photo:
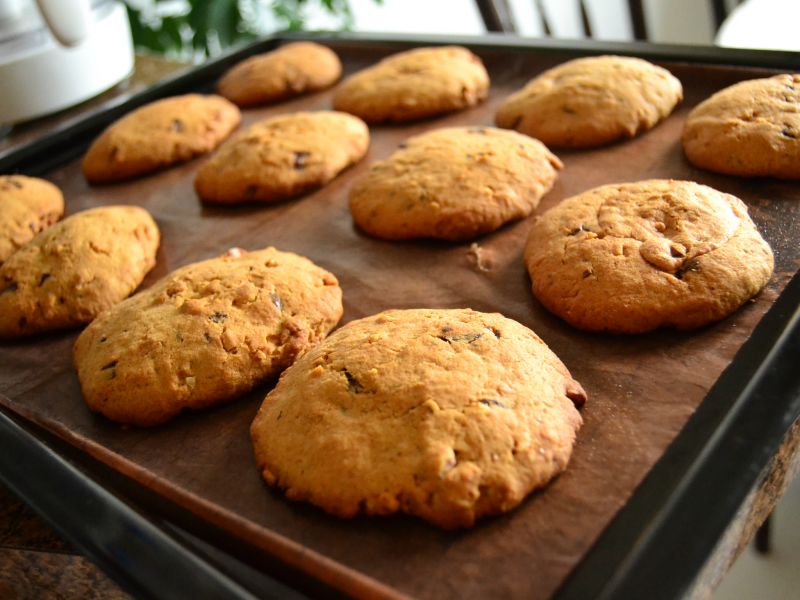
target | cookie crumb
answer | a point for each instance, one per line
(478, 256)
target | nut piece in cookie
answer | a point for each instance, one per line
(633, 257)
(158, 135)
(282, 157)
(205, 334)
(28, 205)
(76, 269)
(592, 101)
(448, 415)
(748, 129)
(454, 184)
(291, 70)
(415, 84)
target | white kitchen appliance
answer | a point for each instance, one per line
(57, 53)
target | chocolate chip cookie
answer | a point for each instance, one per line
(282, 157)
(158, 135)
(291, 70)
(415, 84)
(448, 415)
(76, 269)
(205, 334)
(592, 101)
(453, 184)
(28, 205)
(633, 257)
(749, 129)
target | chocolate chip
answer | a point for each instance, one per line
(300, 159)
(11, 287)
(110, 365)
(103, 339)
(569, 110)
(491, 402)
(789, 133)
(495, 331)
(353, 384)
(43, 278)
(689, 265)
(466, 337)
(207, 336)
(402, 145)
(219, 317)
(587, 273)
(176, 125)
(276, 300)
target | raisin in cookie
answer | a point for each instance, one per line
(159, 134)
(415, 84)
(291, 70)
(750, 129)
(27, 206)
(282, 157)
(449, 415)
(76, 269)
(453, 184)
(633, 257)
(204, 335)
(592, 101)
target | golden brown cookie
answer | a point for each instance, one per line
(592, 101)
(158, 135)
(282, 157)
(415, 84)
(205, 334)
(28, 205)
(633, 257)
(449, 415)
(76, 269)
(454, 184)
(291, 70)
(750, 129)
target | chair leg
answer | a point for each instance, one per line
(764, 536)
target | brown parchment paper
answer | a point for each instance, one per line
(641, 389)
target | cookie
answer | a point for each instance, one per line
(592, 101)
(158, 135)
(28, 205)
(749, 129)
(453, 184)
(415, 84)
(633, 257)
(205, 334)
(282, 157)
(448, 415)
(76, 269)
(291, 70)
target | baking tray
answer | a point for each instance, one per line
(591, 532)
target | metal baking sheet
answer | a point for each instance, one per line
(641, 389)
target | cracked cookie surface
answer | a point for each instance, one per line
(291, 70)
(282, 157)
(448, 415)
(76, 269)
(28, 205)
(415, 84)
(158, 135)
(454, 184)
(749, 129)
(205, 334)
(633, 257)
(592, 101)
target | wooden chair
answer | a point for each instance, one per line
(498, 16)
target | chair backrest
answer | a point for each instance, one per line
(626, 19)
